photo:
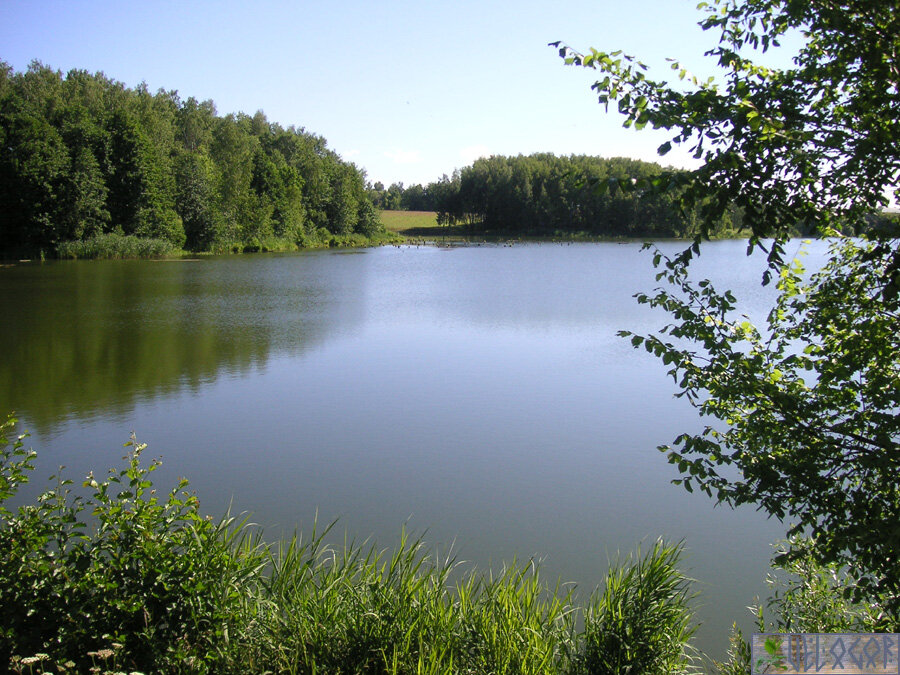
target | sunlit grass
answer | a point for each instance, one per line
(410, 223)
(361, 609)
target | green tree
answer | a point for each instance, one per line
(85, 198)
(141, 199)
(393, 198)
(32, 178)
(195, 202)
(543, 194)
(808, 146)
(232, 151)
(195, 124)
(805, 410)
(83, 155)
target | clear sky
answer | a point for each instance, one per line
(406, 90)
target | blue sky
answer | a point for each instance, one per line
(406, 90)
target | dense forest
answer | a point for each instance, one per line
(544, 194)
(84, 156)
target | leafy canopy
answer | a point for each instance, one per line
(809, 146)
(805, 411)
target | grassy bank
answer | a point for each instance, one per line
(418, 226)
(122, 578)
(399, 226)
(412, 224)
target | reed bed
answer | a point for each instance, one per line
(116, 246)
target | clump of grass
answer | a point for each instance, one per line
(114, 245)
(364, 610)
(641, 621)
(352, 240)
(321, 238)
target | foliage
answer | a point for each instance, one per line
(121, 578)
(809, 597)
(806, 425)
(150, 573)
(642, 620)
(806, 409)
(738, 657)
(114, 245)
(399, 198)
(86, 156)
(809, 146)
(15, 464)
(543, 194)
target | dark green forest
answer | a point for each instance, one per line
(545, 194)
(85, 157)
(92, 168)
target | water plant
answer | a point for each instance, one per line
(640, 620)
(113, 245)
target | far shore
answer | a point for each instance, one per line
(421, 227)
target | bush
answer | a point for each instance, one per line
(642, 621)
(120, 564)
(807, 597)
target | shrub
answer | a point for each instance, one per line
(120, 563)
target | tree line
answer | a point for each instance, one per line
(83, 155)
(545, 194)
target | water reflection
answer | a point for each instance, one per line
(94, 338)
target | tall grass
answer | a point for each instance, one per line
(360, 609)
(641, 620)
(114, 245)
(120, 570)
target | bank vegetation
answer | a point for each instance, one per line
(88, 164)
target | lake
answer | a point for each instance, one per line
(478, 395)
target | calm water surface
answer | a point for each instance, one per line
(478, 395)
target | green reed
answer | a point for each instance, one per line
(114, 245)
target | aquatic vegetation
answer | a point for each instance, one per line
(116, 246)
